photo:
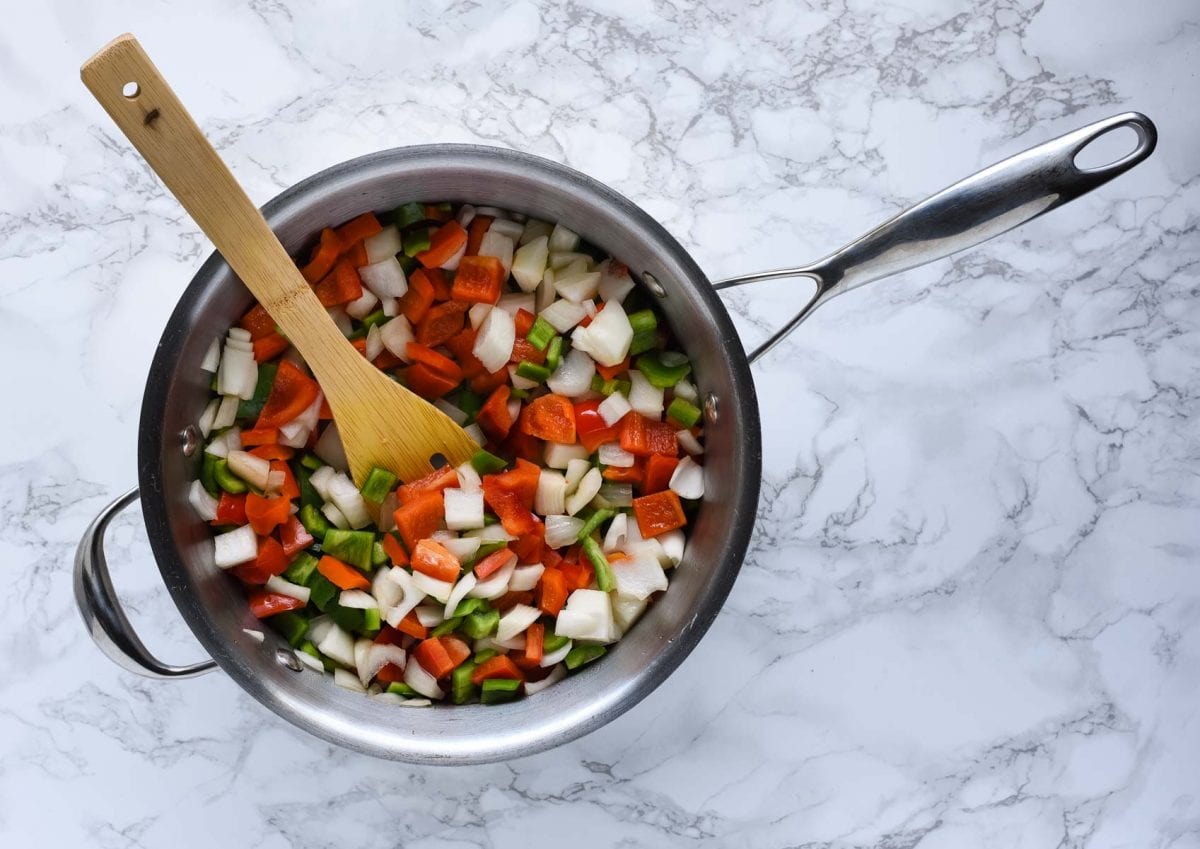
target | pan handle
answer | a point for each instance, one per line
(971, 211)
(102, 612)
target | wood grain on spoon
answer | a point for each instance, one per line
(381, 423)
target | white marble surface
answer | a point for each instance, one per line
(971, 615)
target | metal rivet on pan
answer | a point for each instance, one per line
(288, 659)
(189, 438)
(710, 408)
(653, 285)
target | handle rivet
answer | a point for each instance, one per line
(189, 438)
(710, 407)
(288, 659)
(653, 285)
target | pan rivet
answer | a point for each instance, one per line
(288, 659)
(710, 407)
(189, 438)
(653, 285)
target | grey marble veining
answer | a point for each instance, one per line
(971, 613)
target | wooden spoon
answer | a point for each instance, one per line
(381, 423)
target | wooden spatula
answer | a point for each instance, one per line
(381, 423)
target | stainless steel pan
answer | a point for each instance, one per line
(994, 200)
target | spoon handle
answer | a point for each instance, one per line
(141, 103)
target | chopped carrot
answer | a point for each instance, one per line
(437, 279)
(627, 474)
(389, 673)
(523, 321)
(486, 382)
(291, 394)
(428, 383)
(456, 649)
(444, 243)
(659, 468)
(265, 514)
(479, 225)
(441, 323)
(552, 591)
(434, 659)
(356, 254)
(419, 518)
(493, 416)
(257, 322)
(461, 346)
(440, 363)
(434, 213)
(260, 436)
(500, 666)
(418, 299)
(658, 513)
(479, 279)
(436, 481)
(340, 286)
(491, 564)
(324, 255)
(534, 635)
(550, 417)
(412, 626)
(387, 360)
(342, 575)
(433, 559)
(269, 347)
(609, 372)
(357, 229)
(394, 550)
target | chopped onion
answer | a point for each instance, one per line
(516, 643)
(411, 598)
(491, 533)
(525, 578)
(253, 470)
(308, 660)
(275, 481)
(386, 591)
(557, 656)
(544, 295)
(337, 645)
(507, 227)
(612, 454)
(576, 469)
(562, 239)
(585, 492)
(439, 590)
(387, 511)
(686, 390)
(329, 448)
(374, 342)
(416, 677)
(673, 543)
(535, 229)
(563, 314)
(558, 455)
(335, 516)
(203, 503)
(615, 282)
(494, 341)
(385, 278)
(626, 610)
(562, 530)
(638, 576)
(579, 264)
(347, 679)
(579, 288)
(688, 479)
(581, 626)
(455, 258)
(378, 656)
(390, 307)
(551, 494)
(468, 477)
(466, 214)
(205, 424)
(279, 585)
(474, 431)
(515, 621)
(321, 478)
(689, 443)
(556, 674)
(212, 357)
(463, 548)
(616, 494)
(349, 500)
(477, 313)
(383, 245)
(430, 615)
(529, 263)
(464, 510)
(615, 538)
(296, 432)
(341, 320)
(497, 245)
(613, 408)
(238, 372)
(362, 306)
(561, 259)
(608, 337)
(514, 408)
(239, 334)
(573, 375)
(358, 600)
(226, 412)
(395, 335)
(513, 303)
(465, 584)
(595, 603)
(645, 397)
(497, 584)
(456, 415)
(519, 382)
(318, 628)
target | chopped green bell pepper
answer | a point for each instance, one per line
(664, 368)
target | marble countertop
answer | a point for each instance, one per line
(971, 612)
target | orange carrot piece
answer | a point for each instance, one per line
(535, 634)
(479, 279)
(357, 229)
(260, 436)
(269, 347)
(552, 591)
(440, 363)
(500, 666)
(394, 550)
(433, 559)
(342, 575)
(479, 225)
(658, 513)
(324, 255)
(443, 244)
(412, 626)
(419, 518)
(432, 656)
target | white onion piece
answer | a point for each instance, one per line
(383, 245)
(275, 481)
(374, 342)
(519, 382)
(608, 337)
(576, 469)
(544, 295)
(303, 425)
(535, 229)
(386, 591)
(439, 590)
(579, 288)
(238, 372)
(205, 423)
(591, 603)
(551, 494)
(516, 643)
(496, 585)
(490, 533)
(463, 548)
(686, 390)
(385, 278)
(416, 677)
(308, 660)
(556, 656)
(498, 245)
(347, 497)
(347, 679)
(253, 470)
(456, 415)
(644, 397)
(614, 539)
(673, 543)
(494, 341)
(362, 306)
(378, 656)
(329, 448)
(321, 479)
(562, 239)
(413, 595)
(626, 610)
(335, 516)
(558, 456)
(613, 408)
(615, 282)
(515, 621)
(562, 530)
(689, 443)
(687, 481)
(430, 615)
(585, 492)
(226, 412)
(212, 357)
(513, 303)
(239, 334)
(358, 600)
(387, 512)
(639, 576)
(341, 320)
(474, 431)
(361, 647)
(563, 314)
(337, 645)
(525, 577)
(466, 214)
(318, 628)
(395, 335)
(514, 408)
(573, 375)
(464, 510)
(468, 477)
(507, 227)
(529, 263)
(477, 313)
(579, 625)
(390, 307)
(562, 259)
(203, 503)
(452, 263)
(612, 454)
(282, 586)
(465, 584)
(614, 494)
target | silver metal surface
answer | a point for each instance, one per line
(102, 612)
(971, 211)
(213, 604)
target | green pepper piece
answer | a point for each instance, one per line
(372, 319)
(416, 241)
(350, 619)
(291, 626)
(379, 556)
(554, 353)
(604, 576)
(461, 688)
(499, 690)
(378, 484)
(520, 394)
(553, 642)
(642, 342)
(486, 654)
(579, 655)
(532, 371)
(371, 621)
(311, 462)
(300, 570)
(226, 479)
(314, 521)
(643, 321)
(208, 467)
(353, 547)
(409, 213)
(322, 591)
(664, 368)
(469, 402)
(249, 409)
(487, 463)
(447, 627)
(308, 648)
(480, 624)
(402, 689)
(308, 492)
(541, 333)
(684, 412)
(470, 605)
(593, 522)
